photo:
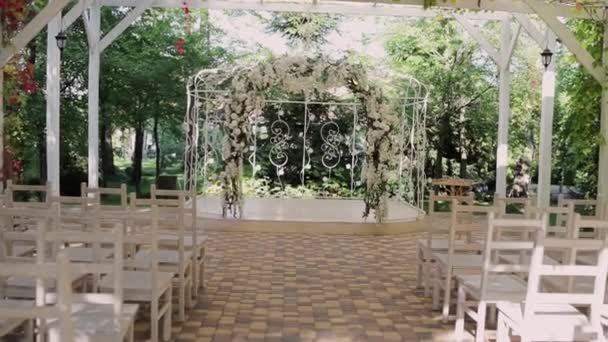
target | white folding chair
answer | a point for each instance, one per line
(196, 241)
(15, 312)
(147, 285)
(24, 287)
(557, 315)
(172, 256)
(96, 316)
(589, 209)
(119, 193)
(42, 193)
(459, 259)
(436, 239)
(497, 281)
(36, 197)
(512, 207)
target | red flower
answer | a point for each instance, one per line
(29, 86)
(179, 46)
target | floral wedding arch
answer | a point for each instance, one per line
(241, 96)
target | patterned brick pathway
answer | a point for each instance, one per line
(298, 287)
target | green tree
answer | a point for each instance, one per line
(577, 128)
(303, 29)
(462, 107)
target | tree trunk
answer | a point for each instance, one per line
(138, 156)
(439, 164)
(159, 156)
(107, 152)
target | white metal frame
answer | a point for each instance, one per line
(203, 122)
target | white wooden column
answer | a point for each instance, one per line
(504, 109)
(546, 127)
(53, 96)
(602, 176)
(94, 32)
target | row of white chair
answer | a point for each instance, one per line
(461, 257)
(172, 249)
(60, 314)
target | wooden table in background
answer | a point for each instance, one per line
(454, 186)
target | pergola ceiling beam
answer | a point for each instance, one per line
(133, 15)
(483, 42)
(531, 29)
(86, 18)
(70, 17)
(31, 29)
(569, 40)
(343, 6)
(512, 46)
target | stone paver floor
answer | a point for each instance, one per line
(299, 287)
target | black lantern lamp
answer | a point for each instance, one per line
(62, 40)
(547, 56)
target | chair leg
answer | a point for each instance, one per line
(502, 330)
(181, 301)
(480, 332)
(189, 294)
(131, 332)
(167, 317)
(492, 314)
(436, 289)
(201, 273)
(426, 274)
(447, 294)
(460, 308)
(154, 320)
(29, 330)
(195, 275)
(419, 267)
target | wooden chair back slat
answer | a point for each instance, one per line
(596, 273)
(494, 244)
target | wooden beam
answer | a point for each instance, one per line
(512, 46)
(504, 111)
(568, 39)
(133, 15)
(531, 29)
(87, 28)
(94, 33)
(602, 176)
(31, 29)
(53, 104)
(546, 127)
(387, 8)
(363, 7)
(483, 42)
(70, 17)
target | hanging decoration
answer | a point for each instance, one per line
(19, 72)
(187, 28)
(245, 98)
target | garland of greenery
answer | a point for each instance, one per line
(307, 76)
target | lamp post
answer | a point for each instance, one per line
(61, 40)
(546, 56)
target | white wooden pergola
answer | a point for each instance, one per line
(514, 16)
